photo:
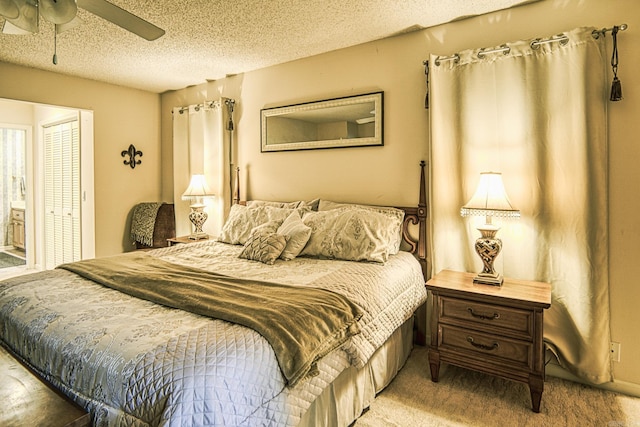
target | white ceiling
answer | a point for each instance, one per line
(209, 39)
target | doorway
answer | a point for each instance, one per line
(39, 120)
(13, 145)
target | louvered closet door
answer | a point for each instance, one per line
(62, 193)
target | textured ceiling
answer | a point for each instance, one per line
(207, 40)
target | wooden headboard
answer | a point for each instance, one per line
(412, 216)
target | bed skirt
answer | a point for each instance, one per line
(354, 389)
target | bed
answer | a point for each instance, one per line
(86, 329)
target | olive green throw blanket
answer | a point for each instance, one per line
(301, 324)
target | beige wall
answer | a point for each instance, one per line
(389, 174)
(121, 117)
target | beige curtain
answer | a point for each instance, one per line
(201, 145)
(539, 117)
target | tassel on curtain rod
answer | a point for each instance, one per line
(596, 33)
(535, 44)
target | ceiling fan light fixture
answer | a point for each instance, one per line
(9, 9)
(58, 11)
(27, 20)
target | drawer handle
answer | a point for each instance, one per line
(483, 316)
(483, 346)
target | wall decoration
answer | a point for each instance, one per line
(132, 153)
(353, 121)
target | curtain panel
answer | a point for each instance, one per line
(539, 117)
(201, 145)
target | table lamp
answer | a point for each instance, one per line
(489, 200)
(197, 191)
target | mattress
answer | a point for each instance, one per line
(135, 363)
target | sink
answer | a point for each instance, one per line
(18, 204)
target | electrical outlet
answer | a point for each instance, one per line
(615, 351)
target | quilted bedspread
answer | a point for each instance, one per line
(133, 362)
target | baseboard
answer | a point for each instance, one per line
(623, 387)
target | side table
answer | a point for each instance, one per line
(183, 240)
(497, 330)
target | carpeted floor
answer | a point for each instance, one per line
(467, 398)
(7, 260)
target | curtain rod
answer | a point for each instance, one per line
(197, 107)
(535, 44)
(596, 33)
(230, 103)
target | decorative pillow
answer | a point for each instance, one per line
(263, 246)
(394, 225)
(348, 233)
(242, 219)
(297, 234)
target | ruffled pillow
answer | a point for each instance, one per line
(263, 246)
(297, 234)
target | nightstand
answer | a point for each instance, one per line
(497, 330)
(182, 240)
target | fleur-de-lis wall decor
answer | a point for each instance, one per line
(132, 153)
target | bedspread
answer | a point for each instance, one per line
(133, 362)
(302, 324)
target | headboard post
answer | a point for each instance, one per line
(236, 190)
(422, 219)
(418, 216)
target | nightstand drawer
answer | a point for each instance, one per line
(495, 317)
(486, 346)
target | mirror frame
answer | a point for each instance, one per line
(376, 140)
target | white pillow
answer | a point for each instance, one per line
(242, 219)
(285, 205)
(395, 219)
(349, 234)
(297, 234)
(299, 204)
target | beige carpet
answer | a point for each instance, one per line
(466, 398)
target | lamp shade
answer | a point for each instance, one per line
(490, 198)
(197, 188)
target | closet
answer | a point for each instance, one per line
(62, 192)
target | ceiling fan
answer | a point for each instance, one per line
(21, 16)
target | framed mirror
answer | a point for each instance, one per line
(353, 121)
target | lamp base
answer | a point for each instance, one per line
(488, 279)
(198, 236)
(488, 247)
(198, 217)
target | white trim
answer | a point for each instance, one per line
(623, 387)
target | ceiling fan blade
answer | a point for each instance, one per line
(122, 18)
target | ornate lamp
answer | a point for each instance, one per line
(197, 191)
(489, 200)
